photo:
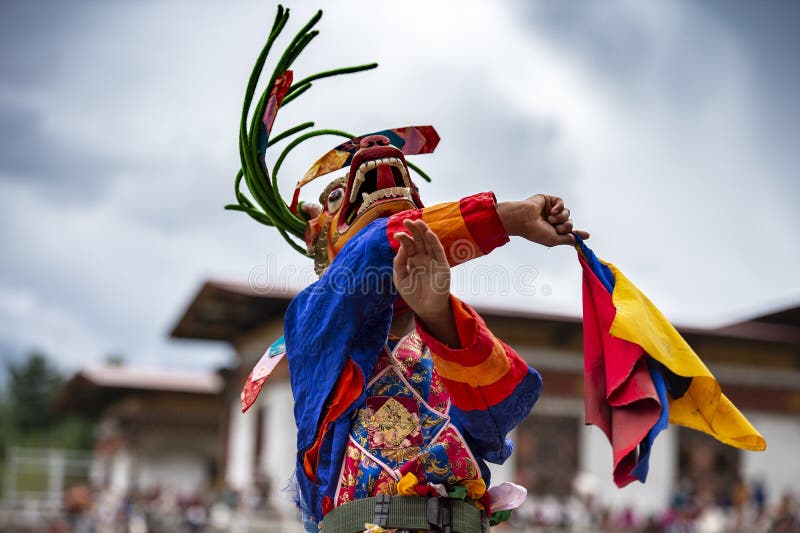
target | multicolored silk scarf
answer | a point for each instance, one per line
(641, 375)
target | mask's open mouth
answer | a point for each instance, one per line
(378, 176)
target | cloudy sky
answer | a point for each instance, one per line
(670, 127)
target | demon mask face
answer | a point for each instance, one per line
(377, 185)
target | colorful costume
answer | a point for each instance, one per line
(467, 399)
(413, 416)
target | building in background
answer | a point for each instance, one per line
(757, 363)
(157, 430)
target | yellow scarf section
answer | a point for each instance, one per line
(703, 407)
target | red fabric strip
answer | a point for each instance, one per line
(469, 398)
(619, 394)
(346, 391)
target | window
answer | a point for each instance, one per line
(546, 450)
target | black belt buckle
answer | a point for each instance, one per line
(440, 514)
(382, 510)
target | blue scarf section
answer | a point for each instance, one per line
(346, 313)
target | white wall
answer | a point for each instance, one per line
(778, 466)
(185, 473)
(654, 495)
(505, 472)
(280, 441)
(121, 469)
(241, 448)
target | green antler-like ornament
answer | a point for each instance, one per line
(264, 203)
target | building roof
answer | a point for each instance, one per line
(123, 377)
(786, 317)
(93, 388)
(226, 311)
(782, 325)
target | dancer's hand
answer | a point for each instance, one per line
(422, 277)
(310, 209)
(542, 218)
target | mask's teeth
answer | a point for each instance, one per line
(390, 192)
(404, 173)
(357, 181)
(395, 162)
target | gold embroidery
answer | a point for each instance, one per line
(401, 454)
(406, 365)
(416, 378)
(391, 424)
(468, 466)
(430, 422)
(353, 453)
(435, 465)
(381, 389)
(387, 486)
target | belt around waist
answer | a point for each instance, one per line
(406, 512)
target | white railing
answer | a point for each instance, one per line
(38, 476)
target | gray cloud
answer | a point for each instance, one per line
(30, 36)
(609, 38)
(29, 154)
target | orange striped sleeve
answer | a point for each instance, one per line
(483, 362)
(468, 228)
(494, 367)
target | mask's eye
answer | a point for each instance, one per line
(335, 198)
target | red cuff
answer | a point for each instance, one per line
(481, 218)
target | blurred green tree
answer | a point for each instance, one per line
(32, 385)
(28, 413)
(7, 429)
